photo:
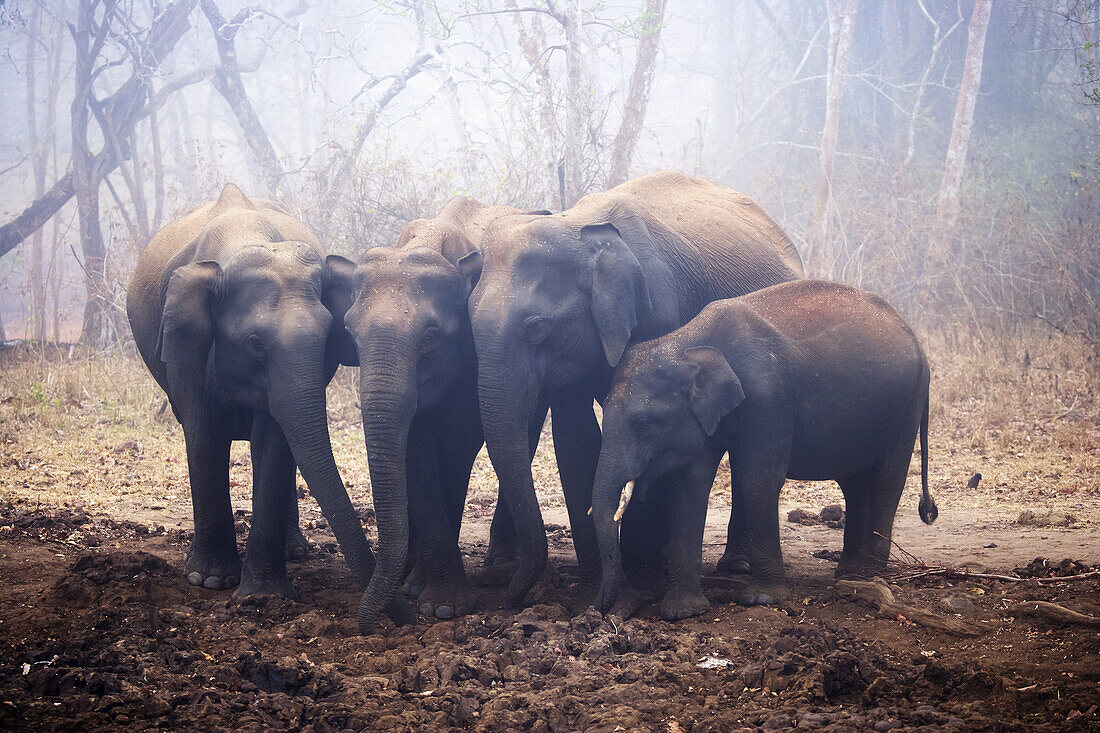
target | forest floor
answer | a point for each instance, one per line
(99, 629)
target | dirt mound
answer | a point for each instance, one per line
(112, 638)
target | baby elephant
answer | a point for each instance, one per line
(807, 380)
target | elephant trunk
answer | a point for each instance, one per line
(388, 395)
(507, 389)
(609, 500)
(304, 421)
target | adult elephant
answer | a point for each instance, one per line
(232, 310)
(557, 300)
(418, 390)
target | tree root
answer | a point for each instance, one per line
(1055, 613)
(878, 595)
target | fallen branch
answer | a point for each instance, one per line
(878, 595)
(1054, 612)
(966, 575)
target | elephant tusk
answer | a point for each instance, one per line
(590, 511)
(628, 492)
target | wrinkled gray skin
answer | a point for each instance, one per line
(807, 380)
(231, 310)
(418, 389)
(557, 300)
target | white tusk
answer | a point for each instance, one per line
(628, 492)
(590, 511)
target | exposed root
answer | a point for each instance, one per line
(1055, 613)
(877, 594)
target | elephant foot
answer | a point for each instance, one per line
(446, 601)
(500, 552)
(629, 600)
(650, 580)
(415, 584)
(258, 584)
(297, 546)
(211, 570)
(758, 593)
(854, 569)
(677, 606)
(496, 575)
(733, 563)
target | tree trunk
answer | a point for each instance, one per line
(575, 95)
(533, 45)
(85, 179)
(841, 25)
(638, 97)
(38, 162)
(947, 211)
(228, 82)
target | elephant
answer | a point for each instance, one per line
(806, 380)
(418, 391)
(558, 298)
(232, 311)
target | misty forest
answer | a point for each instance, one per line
(437, 364)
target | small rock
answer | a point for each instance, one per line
(832, 513)
(973, 482)
(958, 604)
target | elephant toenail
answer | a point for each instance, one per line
(444, 612)
(213, 582)
(764, 599)
(231, 580)
(194, 578)
(427, 609)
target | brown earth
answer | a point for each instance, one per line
(99, 629)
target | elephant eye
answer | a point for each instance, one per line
(536, 329)
(430, 339)
(255, 346)
(643, 424)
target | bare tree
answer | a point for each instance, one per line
(228, 82)
(39, 160)
(638, 97)
(947, 211)
(841, 25)
(125, 108)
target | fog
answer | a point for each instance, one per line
(362, 116)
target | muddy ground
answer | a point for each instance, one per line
(99, 629)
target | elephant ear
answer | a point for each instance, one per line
(187, 323)
(338, 295)
(470, 267)
(715, 389)
(618, 288)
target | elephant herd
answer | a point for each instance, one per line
(677, 305)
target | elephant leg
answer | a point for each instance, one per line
(759, 466)
(212, 560)
(643, 535)
(273, 472)
(735, 560)
(503, 552)
(577, 449)
(297, 546)
(687, 520)
(447, 592)
(871, 500)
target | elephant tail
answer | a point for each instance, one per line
(927, 505)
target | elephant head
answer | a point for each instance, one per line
(261, 328)
(663, 405)
(553, 303)
(410, 323)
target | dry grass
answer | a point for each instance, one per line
(1022, 409)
